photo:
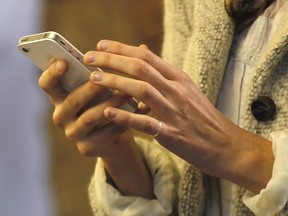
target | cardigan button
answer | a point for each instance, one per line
(263, 108)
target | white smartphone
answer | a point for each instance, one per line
(44, 48)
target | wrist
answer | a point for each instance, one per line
(120, 151)
(250, 161)
(128, 171)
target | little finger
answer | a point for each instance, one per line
(143, 123)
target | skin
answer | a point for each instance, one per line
(192, 127)
(112, 142)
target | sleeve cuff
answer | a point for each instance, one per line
(112, 202)
(274, 197)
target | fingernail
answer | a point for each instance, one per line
(103, 45)
(90, 58)
(97, 76)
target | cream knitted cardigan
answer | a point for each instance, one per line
(198, 35)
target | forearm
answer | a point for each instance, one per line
(250, 162)
(129, 171)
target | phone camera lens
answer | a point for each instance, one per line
(25, 50)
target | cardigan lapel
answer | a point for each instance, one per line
(207, 56)
(209, 46)
(266, 67)
(205, 60)
(271, 57)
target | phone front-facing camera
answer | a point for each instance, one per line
(25, 50)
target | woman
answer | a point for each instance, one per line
(221, 127)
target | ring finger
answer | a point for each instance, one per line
(92, 117)
(140, 90)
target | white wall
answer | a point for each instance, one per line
(24, 149)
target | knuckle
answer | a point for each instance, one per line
(106, 58)
(125, 119)
(87, 121)
(145, 90)
(182, 96)
(183, 76)
(86, 150)
(148, 126)
(140, 67)
(72, 102)
(42, 83)
(51, 76)
(94, 88)
(148, 55)
(57, 119)
(117, 47)
(71, 134)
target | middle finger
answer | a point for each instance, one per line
(81, 98)
(93, 117)
(142, 91)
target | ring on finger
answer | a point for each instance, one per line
(158, 130)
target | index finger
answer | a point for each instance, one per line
(141, 52)
(49, 81)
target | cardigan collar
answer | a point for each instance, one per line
(211, 52)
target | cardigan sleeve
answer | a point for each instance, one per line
(107, 200)
(274, 198)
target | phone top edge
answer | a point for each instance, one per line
(49, 35)
(38, 36)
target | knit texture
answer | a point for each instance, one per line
(198, 35)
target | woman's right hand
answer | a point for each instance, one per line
(81, 122)
(82, 125)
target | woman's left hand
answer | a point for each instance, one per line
(192, 127)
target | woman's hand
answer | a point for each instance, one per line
(192, 127)
(80, 120)
(85, 125)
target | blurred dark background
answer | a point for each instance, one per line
(84, 23)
